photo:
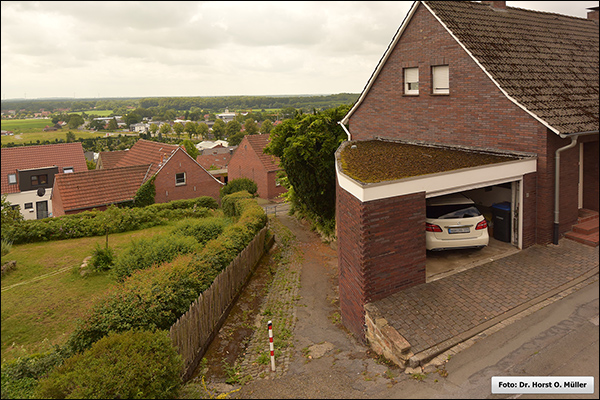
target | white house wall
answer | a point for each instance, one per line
(30, 197)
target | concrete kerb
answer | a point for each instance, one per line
(435, 357)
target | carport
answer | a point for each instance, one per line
(381, 191)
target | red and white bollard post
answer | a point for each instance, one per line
(271, 346)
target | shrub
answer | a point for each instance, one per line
(238, 185)
(202, 230)
(233, 204)
(102, 258)
(130, 365)
(144, 253)
(20, 376)
(6, 246)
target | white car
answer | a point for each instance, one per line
(454, 222)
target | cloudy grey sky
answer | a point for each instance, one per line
(201, 48)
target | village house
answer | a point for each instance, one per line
(249, 161)
(468, 79)
(28, 174)
(177, 176)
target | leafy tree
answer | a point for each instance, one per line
(266, 127)
(112, 124)
(191, 128)
(165, 128)
(202, 130)
(218, 129)
(238, 185)
(232, 128)
(153, 128)
(75, 121)
(70, 137)
(90, 164)
(251, 127)
(133, 118)
(190, 148)
(11, 218)
(305, 146)
(236, 139)
(178, 127)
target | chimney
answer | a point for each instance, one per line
(497, 5)
(593, 14)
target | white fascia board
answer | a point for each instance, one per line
(541, 121)
(440, 183)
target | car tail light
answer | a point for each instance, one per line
(432, 228)
(481, 225)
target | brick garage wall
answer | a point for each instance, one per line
(590, 175)
(198, 181)
(381, 250)
(274, 191)
(529, 209)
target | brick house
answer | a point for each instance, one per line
(177, 176)
(249, 161)
(28, 174)
(469, 78)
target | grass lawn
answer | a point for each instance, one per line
(34, 136)
(25, 125)
(45, 295)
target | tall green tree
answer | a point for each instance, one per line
(232, 128)
(153, 129)
(178, 127)
(266, 126)
(112, 124)
(218, 129)
(70, 137)
(190, 148)
(75, 121)
(165, 128)
(305, 146)
(251, 127)
(202, 130)
(191, 128)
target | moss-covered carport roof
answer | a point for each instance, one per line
(373, 161)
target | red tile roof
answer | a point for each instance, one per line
(145, 152)
(99, 187)
(109, 159)
(30, 157)
(258, 143)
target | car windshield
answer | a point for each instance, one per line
(452, 211)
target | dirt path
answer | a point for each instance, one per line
(321, 360)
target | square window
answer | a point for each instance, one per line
(411, 81)
(180, 179)
(12, 179)
(28, 205)
(441, 79)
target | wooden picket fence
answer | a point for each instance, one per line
(194, 331)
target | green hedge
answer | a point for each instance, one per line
(129, 365)
(156, 297)
(95, 223)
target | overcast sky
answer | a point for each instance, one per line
(149, 49)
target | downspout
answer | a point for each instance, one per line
(573, 143)
(345, 130)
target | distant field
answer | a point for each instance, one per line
(100, 113)
(25, 125)
(40, 136)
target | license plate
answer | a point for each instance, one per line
(458, 230)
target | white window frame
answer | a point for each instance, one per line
(440, 79)
(12, 179)
(411, 81)
(177, 182)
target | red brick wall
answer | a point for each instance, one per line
(529, 209)
(245, 164)
(198, 181)
(381, 250)
(590, 175)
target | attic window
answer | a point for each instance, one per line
(68, 170)
(441, 79)
(37, 180)
(180, 179)
(411, 81)
(12, 179)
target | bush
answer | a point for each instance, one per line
(130, 365)
(102, 258)
(238, 185)
(144, 253)
(202, 230)
(233, 204)
(20, 376)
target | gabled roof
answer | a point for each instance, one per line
(258, 144)
(99, 187)
(109, 159)
(145, 152)
(31, 157)
(545, 63)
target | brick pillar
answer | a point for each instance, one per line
(381, 250)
